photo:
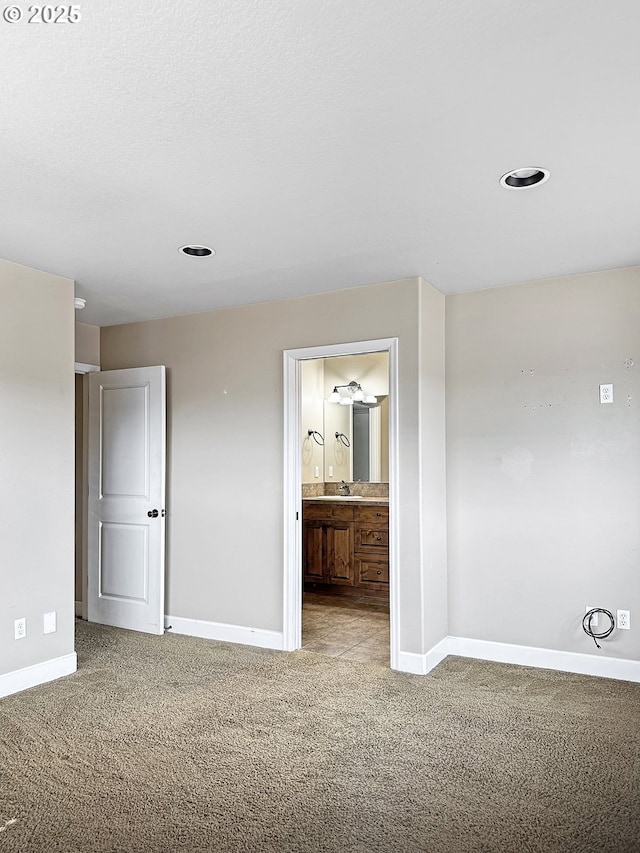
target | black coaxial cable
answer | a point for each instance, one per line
(586, 624)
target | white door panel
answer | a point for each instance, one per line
(125, 442)
(126, 530)
(124, 562)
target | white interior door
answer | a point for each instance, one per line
(126, 524)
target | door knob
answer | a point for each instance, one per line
(153, 513)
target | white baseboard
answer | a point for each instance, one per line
(411, 662)
(225, 633)
(39, 673)
(599, 665)
(422, 664)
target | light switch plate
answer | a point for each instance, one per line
(49, 622)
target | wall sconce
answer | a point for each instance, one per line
(354, 394)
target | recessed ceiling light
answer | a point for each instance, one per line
(520, 179)
(197, 251)
(79, 303)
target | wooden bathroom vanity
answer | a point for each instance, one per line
(346, 546)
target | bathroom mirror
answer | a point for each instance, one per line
(360, 451)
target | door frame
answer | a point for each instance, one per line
(83, 368)
(292, 580)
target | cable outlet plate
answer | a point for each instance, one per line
(624, 620)
(594, 618)
(49, 622)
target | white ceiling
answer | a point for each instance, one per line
(316, 145)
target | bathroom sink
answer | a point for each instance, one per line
(337, 498)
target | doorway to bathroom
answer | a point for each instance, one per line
(341, 566)
(345, 507)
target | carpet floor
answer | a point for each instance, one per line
(170, 743)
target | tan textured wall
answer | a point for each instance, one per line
(225, 442)
(543, 480)
(36, 463)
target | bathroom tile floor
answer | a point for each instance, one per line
(352, 628)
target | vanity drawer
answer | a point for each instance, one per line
(376, 514)
(372, 573)
(372, 537)
(327, 510)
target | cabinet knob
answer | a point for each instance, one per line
(379, 514)
(378, 572)
(379, 538)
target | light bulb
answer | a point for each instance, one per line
(346, 401)
(370, 399)
(334, 397)
(359, 395)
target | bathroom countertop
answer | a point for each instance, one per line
(342, 499)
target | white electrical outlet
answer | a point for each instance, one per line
(49, 622)
(20, 628)
(606, 393)
(624, 620)
(594, 618)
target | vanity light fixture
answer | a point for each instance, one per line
(522, 179)
(354, 394)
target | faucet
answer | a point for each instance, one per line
(344, 489)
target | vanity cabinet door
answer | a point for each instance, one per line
(313, 556)
(340, 562)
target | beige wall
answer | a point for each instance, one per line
(371, 370)
(87, 343)
(225, 443)
(543, 481)
(36, 463)
(337, 457)
(312, 383)
(431, 426)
